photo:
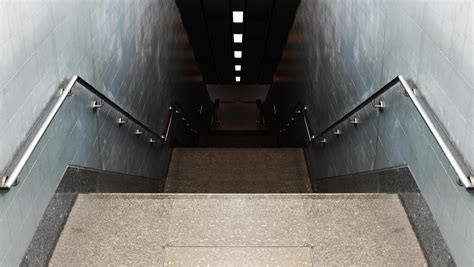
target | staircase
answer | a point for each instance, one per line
(237, 199)
(234, 213)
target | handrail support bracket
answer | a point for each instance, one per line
(380, 105)
(95, 105)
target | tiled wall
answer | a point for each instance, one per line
(130, 50)
(340, 51)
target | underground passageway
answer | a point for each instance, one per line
(236, 133)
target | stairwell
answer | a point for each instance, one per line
(237, 198)
(236, 133)
(238, 207)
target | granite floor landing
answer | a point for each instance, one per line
(238, 230)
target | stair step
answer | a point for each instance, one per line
(238, 170)
(235, 141)
(238, 133)
(86, 180)
(238, 230)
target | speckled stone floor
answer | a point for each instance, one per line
(238, 170)
(238, 230)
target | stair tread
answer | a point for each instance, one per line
(238, 141)
(252, 229)
(238, 170)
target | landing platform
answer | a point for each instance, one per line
(238, 230)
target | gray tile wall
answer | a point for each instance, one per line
(130, 50)
(340, 51)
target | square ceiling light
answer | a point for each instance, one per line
(238, 16)
(238, 67)
(237, 79)
(238, 37)
(238, 54)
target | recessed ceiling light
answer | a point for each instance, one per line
(238, 54)
(238, 16)
(237, 79)
(238, 67)
(238, 37)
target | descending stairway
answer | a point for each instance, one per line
(203, 228)
(234, 213)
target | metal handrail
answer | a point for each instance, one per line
(176, 109)
(291, 118)
(260, 113)
(300, 110)
(165, 136)
(454, 159)
(185, 117)
(10, 180)
(309, 133)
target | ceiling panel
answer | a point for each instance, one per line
(219, 24)
(284, 13)
(195, 24)
(265, 29)
(258, 17)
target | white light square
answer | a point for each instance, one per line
(238, 37)
(238, 16)
(238, 67)
(237, 78)
(238, 54)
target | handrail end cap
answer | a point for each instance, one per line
(3, 183)
(3, 180)
(471, 179)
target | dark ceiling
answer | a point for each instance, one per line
(265, 30)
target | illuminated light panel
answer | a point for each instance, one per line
(238, 54)
(238, 67)
(238, 37)
(237, 79)
(238, 16)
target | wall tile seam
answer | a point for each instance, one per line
(441, 216)
(6, 226)
(31, 92)
(3, 261)
(460, 250)
(4, 256)
(19, 113)
(107, 91)
(448, 59)
(446, 132)
(19, 225)
(424, 95)
(57, 31)
(17, 189)
(29, 59)
(111, 110)
(468, 238)
(7, 7)
(436, 118)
